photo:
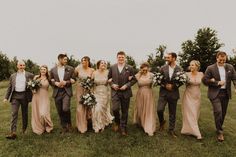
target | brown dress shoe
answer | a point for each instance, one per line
(173, 134)
(63, 131)
(11, 136)
(162, 126)
(220, 137)
(123, 132)
(115, 127)
(69, 128)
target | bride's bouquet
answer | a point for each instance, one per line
(87, 83)
(180, 79)
(34, 85)
(88, 100)
(158, 79)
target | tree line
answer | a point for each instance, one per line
(203, 47)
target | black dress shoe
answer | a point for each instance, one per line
(173, 134)
(11, 136)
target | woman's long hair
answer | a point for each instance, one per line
(47, 73)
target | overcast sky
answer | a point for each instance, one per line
(41, 29)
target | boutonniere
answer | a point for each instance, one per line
(67, 70)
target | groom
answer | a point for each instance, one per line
(122, 78)
(169, 93)
(218, 78)
(62, 77)
(19, 96)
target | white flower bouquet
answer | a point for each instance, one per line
(87, 83)
(180, 79)
(158, 79)
(88, 100)
(34, 85)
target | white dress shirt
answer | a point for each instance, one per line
(20, 82)
(171, 71)
(61, 72)
(222, 75)
(121, 67)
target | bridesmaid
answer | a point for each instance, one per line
(191, 101)
(82, 113)
(41, 119)
(144, 110)
(101, 115)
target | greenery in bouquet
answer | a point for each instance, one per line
(34, 85)
(158, 79)
(87, 83)
(180, 79)
(88, 99)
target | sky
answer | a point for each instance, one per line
(40, 30)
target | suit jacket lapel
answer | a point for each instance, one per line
(14, 80)
(66, 68)
(56, 74)
(226, 72)
(124, 69)
(166, 71)
(217, 72)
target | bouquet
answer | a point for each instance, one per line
(88, 100)
(180, 79)
(87, 83)
(158, 79)
(34, 85)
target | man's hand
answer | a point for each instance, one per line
(169, 87)
(221, 83)
(72, 81)
(235, 91)
(59, 84)
(212, 80)
(115, 86)
(124, 87)
(4, 100)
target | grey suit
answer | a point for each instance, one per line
(18, 99)
(170, 97)
(219, 97)
(121, 99)
(62, 96)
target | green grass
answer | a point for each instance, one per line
(109, 143)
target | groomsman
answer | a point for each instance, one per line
(122, 78)
(62, 77)
(19, 95)
(218, 78)
(169, 93)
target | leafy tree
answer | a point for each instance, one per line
(4, 66)
(72, 61)
(32, 67)
(13, 65)
(232, 60)
(157, 60)
(203, 48)
(130, 61)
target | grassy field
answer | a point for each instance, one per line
(109, 143)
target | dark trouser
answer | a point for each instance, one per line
(119, 101)
(220, 104)
(172, 104)
(62, 101)
(19, 99)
